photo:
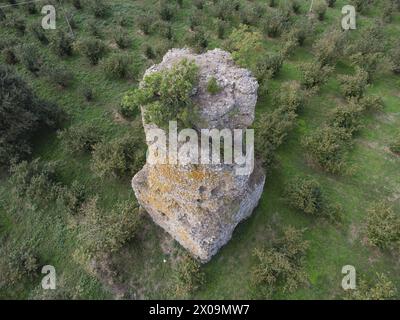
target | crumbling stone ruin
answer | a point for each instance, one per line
(201, 204)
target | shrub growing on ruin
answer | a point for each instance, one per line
(281, 265)
(212, 86)
(80, 138)
(383, 226)
(166, 95)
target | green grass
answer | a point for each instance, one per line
(141, 269)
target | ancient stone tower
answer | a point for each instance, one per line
(200, 205)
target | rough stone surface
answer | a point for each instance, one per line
(200, 205)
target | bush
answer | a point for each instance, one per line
(39, 33)
(101, 233)
(383, 226)
(269, 66)
(329, 47)
(166, 10)
(99, 8)
(368, 62)
(31, 58)
(22, 115)
(121, 157)
(199, 4)
(149, 52)
(290, 97)
(197, 39)
(281, 265)
(328, 146)
(382, 289)
(276, 22)
(354, 86)
(370, 103)
(34, 181)
(188, 277)
(62, 44)
(17, 23)
(10, 56)
(61, 76)
(31, 8)
(222, 26)
(361, 5)
(122, 39)
(246, 47)
(305, 194)
(117, 66)
(330, 3)
(271, 129)
(320, 8)
(80, 138)
(225, 9)
(93, 49)
(314, 74)
(77, 4)
(394, 55)
(300, 31)
(73, 197)
(145, 22)
(212, 86)
(18, 263)
(88, 93)
(347, 117)
(395, 146)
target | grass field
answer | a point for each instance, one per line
(141, 271)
